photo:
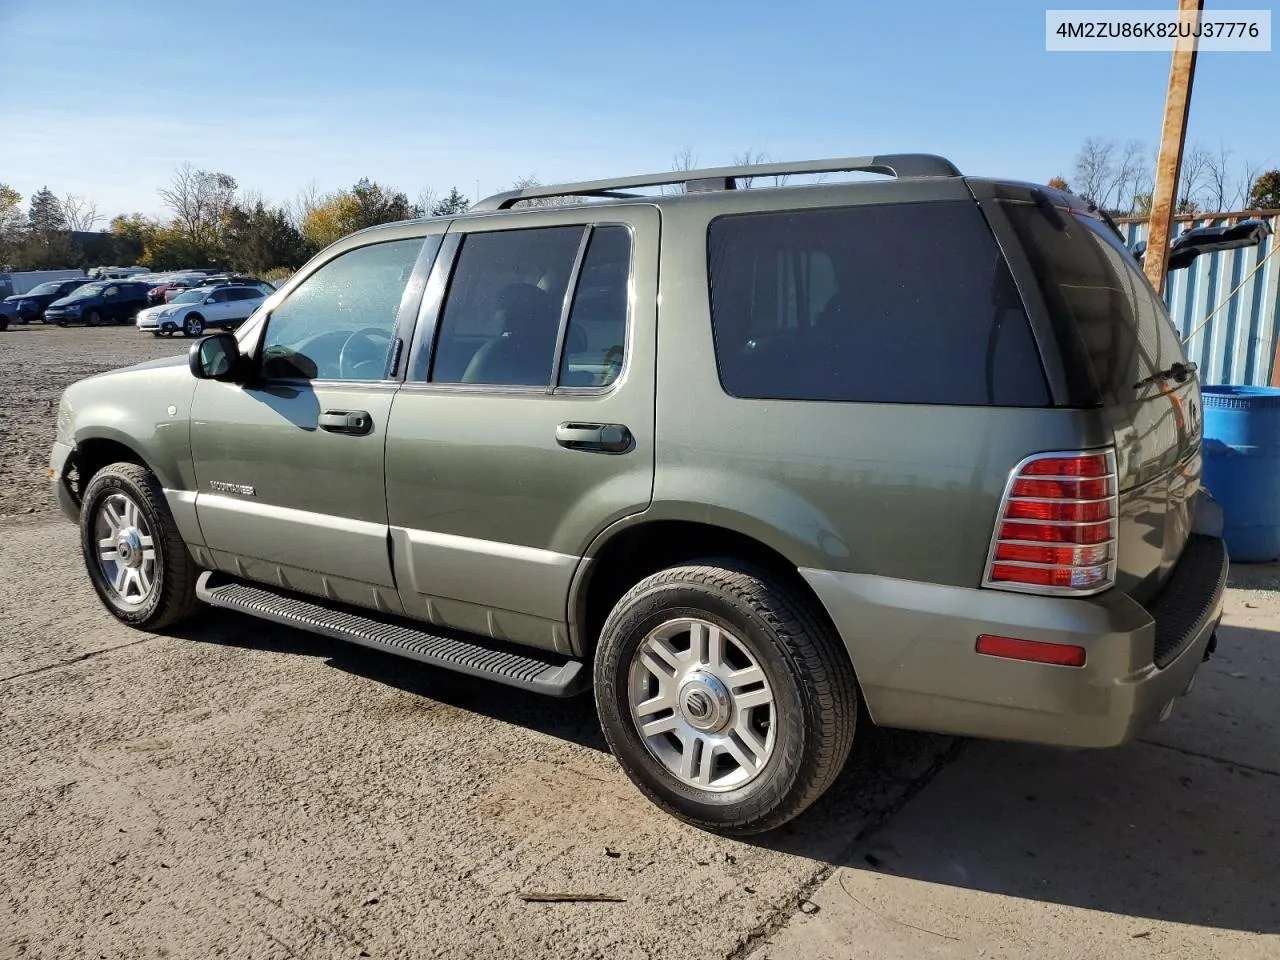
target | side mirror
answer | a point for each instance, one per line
(215, 357)
(210, 299)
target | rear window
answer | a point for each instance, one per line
(1089, 280)
(903, 303)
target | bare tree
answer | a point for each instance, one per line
(81, 214)
(529, 182)
(680, 162)
(1217, 176)
(1132, 176)
(1095, 171)
(200, 200)
(1192, 183)
(427, 198)
(1249, 172)
(748, 158)
(307, 200)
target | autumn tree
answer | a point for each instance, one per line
(1058, 184)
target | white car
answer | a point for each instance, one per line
(201, 309)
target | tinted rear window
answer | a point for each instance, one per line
(904, 303)
(1089, 280)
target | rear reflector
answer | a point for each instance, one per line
(1055, 533)
(1036, 651)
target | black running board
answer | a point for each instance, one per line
(529, 669)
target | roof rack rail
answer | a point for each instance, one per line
(900, 165)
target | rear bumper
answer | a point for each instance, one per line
(913, 647)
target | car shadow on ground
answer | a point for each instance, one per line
(572, 719)
(1180, 825)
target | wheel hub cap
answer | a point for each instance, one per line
(129, 547)
(126, 549)
(705, 702)
(702, 704)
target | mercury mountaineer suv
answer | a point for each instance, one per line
(750, 463)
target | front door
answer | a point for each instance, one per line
(289, 466)
(525, 425)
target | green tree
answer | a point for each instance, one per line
(260, 238)
(455, 202)
(46, 245)
(375, 204)
(1265, 194)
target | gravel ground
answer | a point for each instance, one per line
(37, 362)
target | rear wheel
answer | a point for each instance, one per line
(724, 696)
(193, 326)
(136, 559)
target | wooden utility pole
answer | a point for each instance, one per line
(1172, 138)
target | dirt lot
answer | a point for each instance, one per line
(37, 362)
(244, 790)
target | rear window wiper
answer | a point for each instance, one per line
(1179, 372)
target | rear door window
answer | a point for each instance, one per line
(1089, 280)
(902, 303)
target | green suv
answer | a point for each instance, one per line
(750, 463)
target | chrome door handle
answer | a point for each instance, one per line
(604, 437)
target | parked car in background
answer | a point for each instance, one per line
(181, 284)
(99, 302)
(240, 281)
(204, 308)
(29, 307)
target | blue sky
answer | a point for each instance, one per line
(104, 98)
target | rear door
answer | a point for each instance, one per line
(525, 425)
(1095, 289)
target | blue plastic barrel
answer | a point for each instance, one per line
(1242, 467)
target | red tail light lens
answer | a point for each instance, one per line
(1037, 651)
(1056, 529)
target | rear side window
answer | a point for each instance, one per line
(1089, 280)
(501, 318)
(904, 303)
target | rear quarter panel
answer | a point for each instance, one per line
(898, 490)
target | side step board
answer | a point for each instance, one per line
(526, 668)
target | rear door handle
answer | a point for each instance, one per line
(346, 421)
(606, 437)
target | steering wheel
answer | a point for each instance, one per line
(362, 341)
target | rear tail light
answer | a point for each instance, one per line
(1056, 530)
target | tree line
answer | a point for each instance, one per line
(211, 221)
(1120, 178)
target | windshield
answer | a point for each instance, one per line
(43, 288)
(88, 290)
(191, 296)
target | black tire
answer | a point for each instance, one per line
(173, 596)
(156, 333)
(4, 322)
(93, 318)
(62, 323)
(815, 692)
(193, 326)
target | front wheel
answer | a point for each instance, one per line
(136, 558)
(193, 326)
(94, 318)
(727, 699)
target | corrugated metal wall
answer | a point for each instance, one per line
(1239, 344)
